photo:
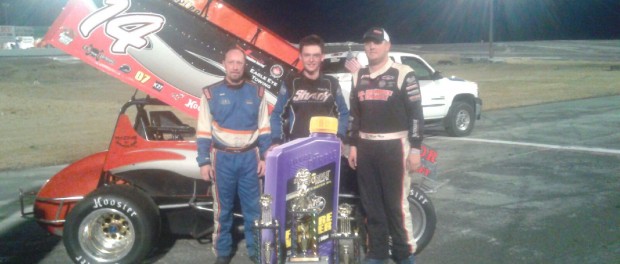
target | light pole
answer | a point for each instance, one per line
(491, 29)
(5, 12)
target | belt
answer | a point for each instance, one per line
(384, 136)
(235, 150)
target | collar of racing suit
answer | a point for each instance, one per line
(383, 69)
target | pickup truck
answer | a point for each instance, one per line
(449, 99)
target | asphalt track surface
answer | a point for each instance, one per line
(537, 184)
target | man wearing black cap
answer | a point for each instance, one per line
(386, 136)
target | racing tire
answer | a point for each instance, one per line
(460, 119)
(113, 224)
(423, 217)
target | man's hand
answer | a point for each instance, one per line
(261, 168)
(352, 65)
(353, 157)
(414, 161)
(207, 172)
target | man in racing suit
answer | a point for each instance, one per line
(307, 94)
(232, 137)
(386, 135)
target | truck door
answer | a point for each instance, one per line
(433, 99)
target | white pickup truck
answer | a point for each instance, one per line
(451, 100)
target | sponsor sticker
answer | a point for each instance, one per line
(276, 71)
(191, 104)
(66, 36)
(158, 86)
(126, 141)
(97, 54)
(177, 96)
(125, 68)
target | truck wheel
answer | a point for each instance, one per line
(423, 217)
(460, 119)
(114, 224)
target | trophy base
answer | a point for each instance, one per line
(307, 259)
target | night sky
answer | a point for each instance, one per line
(407, 21)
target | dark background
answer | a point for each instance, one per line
(408, 21)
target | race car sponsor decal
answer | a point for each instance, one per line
(177, 96)
(276, 71)
(192, 104)
(66, 36)
(97, 54)
(125, 68)
(126, 141)
(158, 86)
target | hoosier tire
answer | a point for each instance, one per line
(114, 224)
(423, 217)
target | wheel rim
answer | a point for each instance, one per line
(462, 120)
(418, 218)
(106, 235)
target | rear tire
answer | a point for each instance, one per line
(423, 217)
(460, 119)
(113, 224)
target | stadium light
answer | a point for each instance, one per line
(491, 7)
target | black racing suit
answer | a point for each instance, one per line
(299, 99)
(387, 121)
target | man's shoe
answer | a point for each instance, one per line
(222, 260)
(409, 260)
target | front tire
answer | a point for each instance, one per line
(114, 224)
(460, 119)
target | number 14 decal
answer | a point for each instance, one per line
(127, 29)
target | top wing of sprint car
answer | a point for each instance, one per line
(170, 49)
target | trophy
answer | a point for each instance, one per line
(346, 240)
(304, 229)
(266, 232)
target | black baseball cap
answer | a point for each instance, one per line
(376, 34)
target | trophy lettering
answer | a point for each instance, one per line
(304, 229)
(267, 244)
(346, 240)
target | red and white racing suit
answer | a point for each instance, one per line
(387, 121)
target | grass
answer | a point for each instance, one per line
(55, 113)
(520, 83)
